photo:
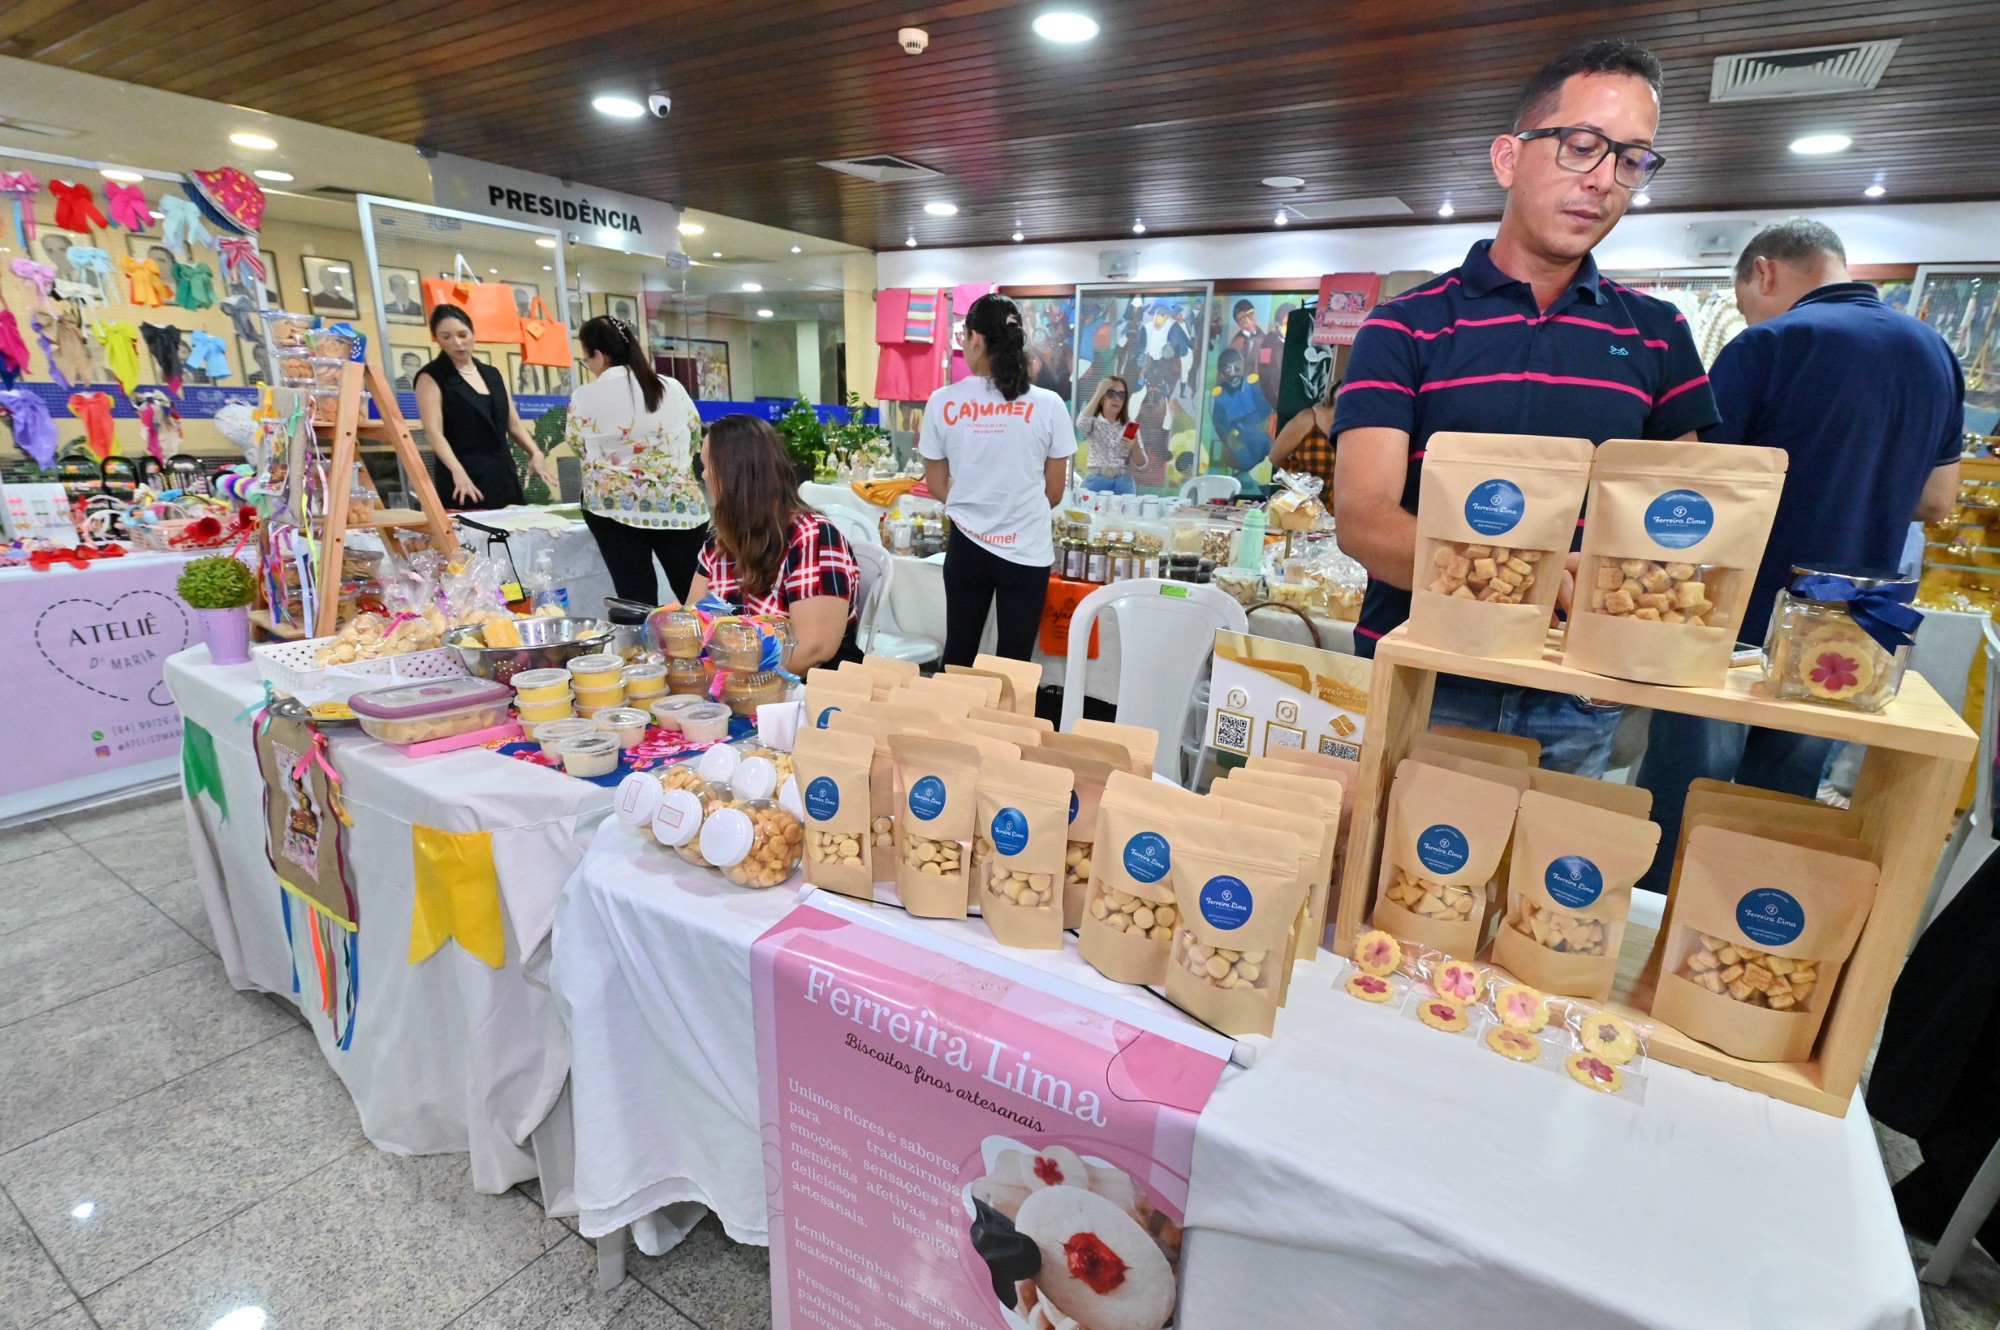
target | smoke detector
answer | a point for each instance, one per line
(914, 41)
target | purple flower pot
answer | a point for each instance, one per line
(228, 635)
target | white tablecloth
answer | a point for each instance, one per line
(448, 1054)
(579, 567)
(1366, 1171)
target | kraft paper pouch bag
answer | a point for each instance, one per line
(834, 770)
(1569, 892)
(934, 690)
(1087, 777)
(995, 716)
(1500, 755)
(1021, 736)
(1025, 675)
(902, 670)
(1521, 743)
(1447, 832)
(881, 787)
(1675, 534)
(1293, 800)
(828, 691)
(1243, 806)
(1334, 794)
(1631, 800)
(1496, 514)
(937, 797)
(1128, 921)
(1235, 899)
(1101, 749)
(1140, 741)
(881, 682)
(1760, 932)
(997, 688)
(1023, 828)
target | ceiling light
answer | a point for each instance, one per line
(941, 209)
(494, 271)
(1641, 199)
(243, 1318)
(716, 255)
(692, 228)
(752, 286)
(1875, 191)
(1019, 236)
(131, 177)
(911, 243)
(763, 313)
(82, 1210)
(275, 177)
(1281, 219)
(1063, 26)
(618, 108)
(797, 250)
(258, 141)
(1819, 145)
(548, 267)
(1138, 227)
(544, 242)
(1284, 182)
(1446, 209)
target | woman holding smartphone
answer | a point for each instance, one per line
(1112, 438)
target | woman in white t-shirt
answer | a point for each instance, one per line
(996, 452)
(636, 434)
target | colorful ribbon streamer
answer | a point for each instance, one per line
(182, 226)
(23, 186)
(34, 429)
(201, 773)
(76, 207)
(240, 259)
(92, 267)
(127, 206)
(42, 276)
(457, 895)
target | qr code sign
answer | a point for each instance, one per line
(1232, 733)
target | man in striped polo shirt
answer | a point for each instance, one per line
(1525, 337)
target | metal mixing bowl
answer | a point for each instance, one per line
(546, 643)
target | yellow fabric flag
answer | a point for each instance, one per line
(457, 896)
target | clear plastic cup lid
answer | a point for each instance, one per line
(596, 663)
(643, 670)
(555, 731)
(618, 718)
(678, 702)
(755, 777)
(718, 764)
(727, 837)
(539, 678)
(638, 798)
(428, 697)
(678, 818)
(589, 744)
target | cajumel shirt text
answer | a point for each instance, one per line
(998, 451)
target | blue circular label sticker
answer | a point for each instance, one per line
(927, 798)
(1573, 880)
(1679, 518)
(1074, 804)
(1148, 857)
(822, 798)
(824, 713)
(1494, 507)
(1443, 848)
(1770, 917)
(1010, 831)
(1225, 902)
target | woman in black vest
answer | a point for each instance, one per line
(468, 418)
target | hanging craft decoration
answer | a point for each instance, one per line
(69, 358)
(94, 410)
(127, 206)
(201, 773)
(22, 187)
(194, 285)
(121, 352)
(457, 895)
(229, 198)
(41, 276)
(209, 356)
(240, 260)
(76, 207)
(92, 267)
(34, 430)
(181, 228)
(164, 341)
(160, 423)
(147, 282)
(13, 351)
(304, 818)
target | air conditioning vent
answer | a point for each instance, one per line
(1337, 210)
(35, 127)
(1812, 71)
(882, 169)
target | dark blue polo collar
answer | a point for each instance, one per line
(1480, 276)
(1839, 293)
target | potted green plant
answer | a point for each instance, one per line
(854, 442)
(220, 589)
(805, 438)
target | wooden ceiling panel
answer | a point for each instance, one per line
(1172, 114)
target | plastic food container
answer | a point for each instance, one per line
(549, 734)
(613, 696)
(432, 709)
(780, 761)
(1814, 651)
(686, 801)
(599, 670)
(744, 692)
(645, 680)
(689, 676)
(755, 843)
(628, 723)
(667, 710)
(592, 713)
(589, 754)
(737, 645)
(706, 723)
(534, 713)
(541, 686)
(680, 634)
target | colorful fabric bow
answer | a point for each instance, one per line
(240, 259)
(92, 265)
(76, 207)
(1883, 612)
(94, 410)
(182, 226)
(23, 186)
(128, 206)
(42, 276)
(34, 430)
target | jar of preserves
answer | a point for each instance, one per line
(1097, 565)
(743, 691)
(1815, 651)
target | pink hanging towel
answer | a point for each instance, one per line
(907, 373)
(962, 297)
(921, 325)
(892, 312)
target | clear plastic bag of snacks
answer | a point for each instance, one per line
(1296, 505)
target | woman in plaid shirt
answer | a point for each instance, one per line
(769, 553)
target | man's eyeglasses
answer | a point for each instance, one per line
(1580, 150)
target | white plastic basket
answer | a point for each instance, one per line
(288, 666)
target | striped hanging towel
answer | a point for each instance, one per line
(921, 322)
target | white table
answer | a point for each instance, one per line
(1366, 1171)
(579, 567)
(448, 1054)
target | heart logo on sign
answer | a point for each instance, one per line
(115, 650)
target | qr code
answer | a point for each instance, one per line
(1333, 747)
(1232, 732)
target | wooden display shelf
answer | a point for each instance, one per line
(261, 620)
(1918, 753)
(393, 517)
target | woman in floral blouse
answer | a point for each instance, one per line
(637, 434)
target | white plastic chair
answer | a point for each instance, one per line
(1166, 634)
(878, 569)
(857, 528)
(1203, 489)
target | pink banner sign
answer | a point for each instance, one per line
(953, 1139)
(82, 659)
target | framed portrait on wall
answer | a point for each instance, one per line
(525, 294)
(405, 361)
(523, 379)
(622, 307)
(52, 247)
(1155, 338)
(403, 296)
(329, 286)
(711, 360)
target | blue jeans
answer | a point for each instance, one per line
(1681, 748)
(1575, 734)
(1121, 483)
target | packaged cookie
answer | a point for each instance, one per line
(1759, 933)
(1447, 832)
(1236, 898)
(1087, 778)
(937, 796)
(881, 787)
(1023, 826)
(1332, 787)
(1024, 679)
(834, 769)
(1631, 800)
(1129, 914)
(827, 691)
(1320, 808)
(994, 688)
(1471, 743)
(881, 680)
(1282, 810)
(1530, 749)
(1018, 735)
(901, 671)
(1138, 740)
(1495, 518)
(1675, 534)
(1000, 716)
(956, 696)
(1569, 891)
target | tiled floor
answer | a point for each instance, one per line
(173, 1151)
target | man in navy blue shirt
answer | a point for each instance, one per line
(1526, 337)
(1870, 405)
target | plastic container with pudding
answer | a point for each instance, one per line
(550, 733)
(737, 644)
(534, 713)
(614, 696)
(592, 713)
(432, 709)
(628, 723)
(541, 686)
(689, 676)
(589, 754)
(645, 680)
(707, 723)
(745, 691)
(667, 710)
(680, 634)
(596, 671)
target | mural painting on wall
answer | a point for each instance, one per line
(1245, 366)
(1156, 339)
(1050, 324)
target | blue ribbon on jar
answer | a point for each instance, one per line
(1883, 611)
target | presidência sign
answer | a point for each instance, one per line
(591, 216)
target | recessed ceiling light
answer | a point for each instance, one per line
(1064, 26)
(692, 228)
(1875, 191)
(1138, 227)
(548, 267)
(1819, 145)
(132, 177)
(1641, 199)
(911, 243)
(275, 177)
(797, 250)
(260, 142)
(243, 1318)
(545, 242)
(618, 108)
(1019, 236)
(763, 313)
(1284, 182)
(82, 1210)
(1446, 209)
(1281, 219)
(494, 271)
(941, 209)
(752, 286)
(716, 255)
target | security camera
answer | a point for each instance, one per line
(659, 104)
(914, 41)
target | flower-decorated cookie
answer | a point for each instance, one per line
(1513, 1044)
(1520, 1007)
(1836, 662)
(1098, 1266)
(1595, 1072)
(1377, 953)
(1443, 1013)
(1370, 987)
(1458, 979)
(1609, 1037)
